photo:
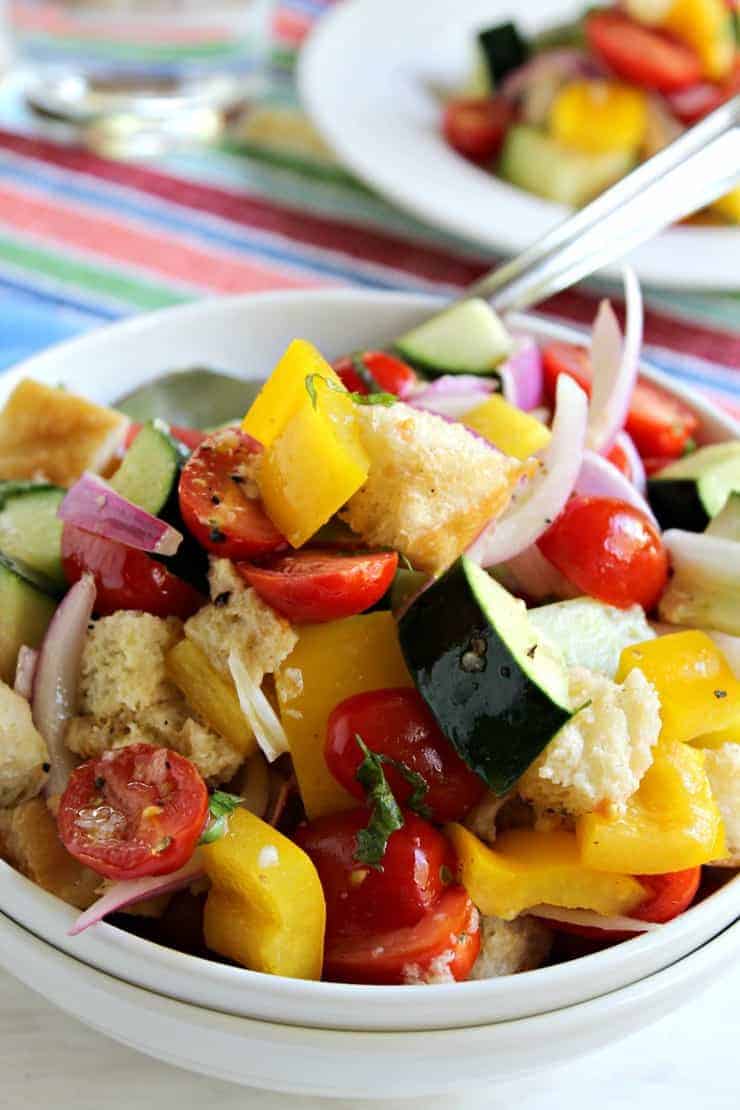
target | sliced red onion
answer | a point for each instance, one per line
(129, 891)
(524, 368)
(452, 395)
(544, 497)
(262, 719)
(25, 669)
(562, 64)
(56, 679)
(615, 366)
(600, 478)
(94, 506)
(277, 808)
(536, 578)
(593, 920)
(638, 476)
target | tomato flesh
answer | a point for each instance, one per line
(312, 586)
(618, 457)
(126, 578)
(610, 550)
(360, 899)
(376, 368)
(660, 425)
(133, 812)
(641, 54)
(444, 944)
(398, 724)
(219, 501)
(476, 128)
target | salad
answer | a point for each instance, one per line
(423, 667)
(568, 113)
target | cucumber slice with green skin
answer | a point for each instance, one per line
(591, 634)
(406, 583)
(25, 612)
(534, 161)
(151, 467)
(498, 691)
(689, 492)
(726, 524)
(468, 338)
(478, 86)
(13, 487)
(31, 532)
(504, 50)
(704, 591)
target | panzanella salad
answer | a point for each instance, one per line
(567, 113)
(423, 669)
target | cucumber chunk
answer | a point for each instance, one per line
(726, 524)
(591, 634)
(704, 591)
(25, 612)
(498, 691)
(31, 532)
(504, 50)
(468, 338)
(150, 469)
(689, 492)
(538, 163)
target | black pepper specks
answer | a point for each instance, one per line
(504, 670)
(215, 499)
(216, 535)
(222, 599)
(720, 693)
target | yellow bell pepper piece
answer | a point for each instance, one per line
(210, 694)
(285, 391)
(599, 117)
(698, 691)
(331, 662)
(706, 26)
(514, 432)
(528, 868)
(266, 908)
(728, 206)
(670, 824)
(718, 739)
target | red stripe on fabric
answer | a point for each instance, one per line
(291, 27)
(430, 263)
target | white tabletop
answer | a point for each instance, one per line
(686, 1062)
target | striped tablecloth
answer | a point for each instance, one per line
(85, 239)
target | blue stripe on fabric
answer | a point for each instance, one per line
(30, 322)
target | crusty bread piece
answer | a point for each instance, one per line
(432, 485)
(246, 624)
(123, 663)
(29, 842)
(23, 753)
(49, 433)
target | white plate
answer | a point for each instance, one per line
(246, 335)
(365, 76)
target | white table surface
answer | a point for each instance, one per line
(688, 1061)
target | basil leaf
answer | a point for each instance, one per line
(384, 399)
(419, 786)
(220, 806)
(385, 816)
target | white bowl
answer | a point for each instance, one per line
(246, 335)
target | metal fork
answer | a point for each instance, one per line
(696, 168)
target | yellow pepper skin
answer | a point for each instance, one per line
(331, 662)
(285, 391)
(599, 117)
(210, 694)
(706, 26)
(728, 206)
(514, 432)
(265, 909)
(527, 868)
(670, 824)
(697, 689)
(718, 739)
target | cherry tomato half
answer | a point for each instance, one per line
(610, 550)
(660, 425)
(133, 812)
(641, 54)
(388, 373)
(360, 899)
(398, 724)
(693, 104)
(219, 501)
(312, 586)
(477, 128)
(126, 578)
(445, 940)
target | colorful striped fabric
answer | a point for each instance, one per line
(85, 239)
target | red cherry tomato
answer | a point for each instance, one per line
(658, 423)
(126, 578)
(387, 372)
(190, 437)
(477, 128)
(618, 456)
(693, 104)
(219, 502)
(446, 941)
(398, 724)
(608, 549)
(641, 54)
(654, 464)
(360, 899)
(133, 812)
(312, 586)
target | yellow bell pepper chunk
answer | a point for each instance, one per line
(331, 662)
(728, 206)
(718, 739)
(266, 908)
(211, 695)
(514, 432)
(670, 824)
(599, 117)
(285, 391)
(698, 691)
(527, 868)
(706, 26)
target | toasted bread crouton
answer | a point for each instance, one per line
(723, 770)
(246, 624)
(123, 663)
(432, 485)
(23, 753)
(49, 433)
(29, 842)
(508, 947)
(224, 579)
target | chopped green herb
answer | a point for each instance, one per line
(385, 816)
(385, 399)
(689, 447)
(364, 374)
(220, 806)
(419, 785)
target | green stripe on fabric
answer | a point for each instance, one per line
(137, 292)
(719, 309)
(136, 51)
